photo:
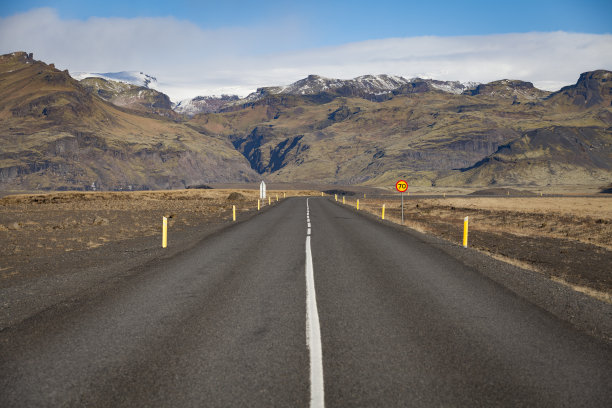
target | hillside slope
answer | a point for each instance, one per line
(418, 131)
(57, 135)
(547, 156)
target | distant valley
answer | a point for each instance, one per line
(100, 133)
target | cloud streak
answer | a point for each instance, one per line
(190, 61)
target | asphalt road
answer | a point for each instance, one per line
(224, 324)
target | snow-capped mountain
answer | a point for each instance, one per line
(129, 95)
(370, 86)
(128, 77)
(454, 87)
(315, 84)
(203, 104)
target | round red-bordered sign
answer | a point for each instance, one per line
(401, 186)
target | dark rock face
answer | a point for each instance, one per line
(511, 89)
(55, 107)
(250, 145)
(275, 158)
(593, 88)
(342, 113)
(588, 147)
(161, 101)
(412, 88)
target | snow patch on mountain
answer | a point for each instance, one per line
(454, 87)
(314, 84)
(366, 84)
(128, 77)
(203, 104)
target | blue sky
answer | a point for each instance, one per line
(338, 22)
(235, 46)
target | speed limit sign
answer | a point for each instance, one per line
(401, 186)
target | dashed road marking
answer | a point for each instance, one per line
(313, 331)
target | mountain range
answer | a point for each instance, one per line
(62, 133)
(59, 134)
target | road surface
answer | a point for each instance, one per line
(400, 323)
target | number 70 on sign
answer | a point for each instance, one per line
(401, 186)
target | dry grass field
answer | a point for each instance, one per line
(43, 232)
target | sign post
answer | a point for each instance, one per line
(402, 187)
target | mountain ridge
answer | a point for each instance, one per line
(56, 134)
(130, 96)
(431, 135)
(137, 78)
(61, 133)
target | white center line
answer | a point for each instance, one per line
(313, 333)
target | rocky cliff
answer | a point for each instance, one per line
(130, 96)
(320, 129)
(56, 134)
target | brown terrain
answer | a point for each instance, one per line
(50, 234)
(568, 239)
(59, 134)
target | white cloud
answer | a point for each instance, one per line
(190, 61)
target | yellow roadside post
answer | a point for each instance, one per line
(258, 205)
(465, 232)
(234, 212)
(164, 232)
(342, 199)
(277, 198)
(321, 194)
(284, 194)
(364, 195)
(357, 203)
(336, 197)
(269, 200)
(383, 212)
